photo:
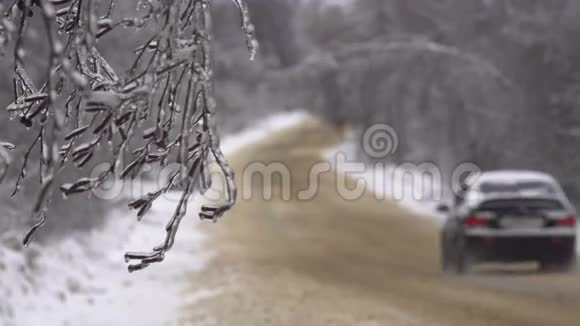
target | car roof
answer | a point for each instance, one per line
(513, 176)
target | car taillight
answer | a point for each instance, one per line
(569, 221)
(474, 220)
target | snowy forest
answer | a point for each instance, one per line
(493, 82)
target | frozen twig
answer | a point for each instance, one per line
(161, 111)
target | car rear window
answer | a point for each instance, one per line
(522, 186)
(522, 204)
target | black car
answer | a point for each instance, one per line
(509, 216)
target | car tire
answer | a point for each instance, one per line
(446, 257)
(453, 258)
(463, 262)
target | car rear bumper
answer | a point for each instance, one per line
(517, 246)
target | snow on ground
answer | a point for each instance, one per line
(405, 184)
(82, 278)
(262, 129)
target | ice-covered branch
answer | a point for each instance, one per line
(160, 112)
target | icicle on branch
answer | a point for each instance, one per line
(161, 111)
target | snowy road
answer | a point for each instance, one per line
(324, 261)
(329, 261)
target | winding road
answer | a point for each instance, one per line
(329, 261)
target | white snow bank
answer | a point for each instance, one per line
(262, 129)
(82, 279)
(407, 184)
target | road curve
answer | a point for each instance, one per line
(329, 261)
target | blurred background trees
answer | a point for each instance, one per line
(494, 82)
